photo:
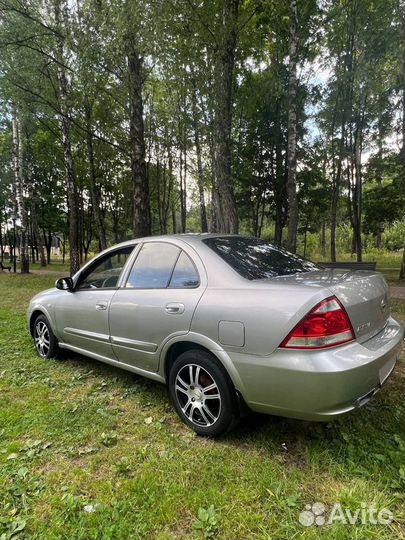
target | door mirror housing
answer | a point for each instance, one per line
(65, 284)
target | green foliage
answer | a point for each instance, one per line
(393, 237)
(350, 59)
(207, 524)
(384, 202)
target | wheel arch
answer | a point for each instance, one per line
(184, 343)
(36, 312)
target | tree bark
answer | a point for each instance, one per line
(95, 192)
(380, 155)
(323, 239)
(48, 244)
(357, 195)
(402, 271)
(200, 170)
(19, 190)
(345, 104)
(36, 234)
(279, 182)
(141, 210)
(183, 191)
(225, 203)
(292, 130)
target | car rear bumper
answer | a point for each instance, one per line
(319, 385)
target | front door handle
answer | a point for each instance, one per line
(101, 306)
(174, 308)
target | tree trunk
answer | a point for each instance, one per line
(141, 210)
(344, 103)
(169, 189)
(402, 271)
(292, 130)
(323, 239)
(200, 170)
(174, 218)
(63, 248)
(65, 123)
(95, 193)
(333, 212)
(182, 194)
(225, 204)
(34, 219)
(184, 205)
(357, 197)
(19, 190)
(279, 183)
(380, 155)
(305, 239)
(47, 242)
(1, 238)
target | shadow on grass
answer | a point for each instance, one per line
(256, 430)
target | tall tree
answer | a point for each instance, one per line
(225, 50)
(18, 164)
(402, 271)
(61, 20)
(292, 128)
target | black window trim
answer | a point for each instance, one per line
(195, 268)
(124, 285)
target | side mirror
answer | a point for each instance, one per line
(65, 284)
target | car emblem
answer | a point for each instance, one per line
(383, 305)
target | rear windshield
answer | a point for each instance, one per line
(253, 258)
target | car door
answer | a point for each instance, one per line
(82, 315)
(157, 301)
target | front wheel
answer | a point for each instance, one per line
(45, 341)
(202, 393)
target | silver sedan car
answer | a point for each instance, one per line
(229, 323)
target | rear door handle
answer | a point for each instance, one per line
(174, 308)
(101, 306)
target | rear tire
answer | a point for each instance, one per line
(45, 341)
(202, 393)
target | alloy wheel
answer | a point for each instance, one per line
(198, 395)
(42, 338)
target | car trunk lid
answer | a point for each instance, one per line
(364, 295)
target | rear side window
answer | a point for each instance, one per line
(153, 266)
(185, 275)
(253, 258)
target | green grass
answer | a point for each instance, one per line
(76, 432)
(56, 266)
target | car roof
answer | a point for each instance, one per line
(190, 238)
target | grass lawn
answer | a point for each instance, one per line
(92, 452)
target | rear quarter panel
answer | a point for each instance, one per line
(265, 315)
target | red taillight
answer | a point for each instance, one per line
(326, 325)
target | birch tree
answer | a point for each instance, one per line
(18, 165)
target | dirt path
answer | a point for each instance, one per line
(397, 292)
(47, 273)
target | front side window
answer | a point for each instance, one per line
(153, 266)
(253, 258)
(104, 273)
